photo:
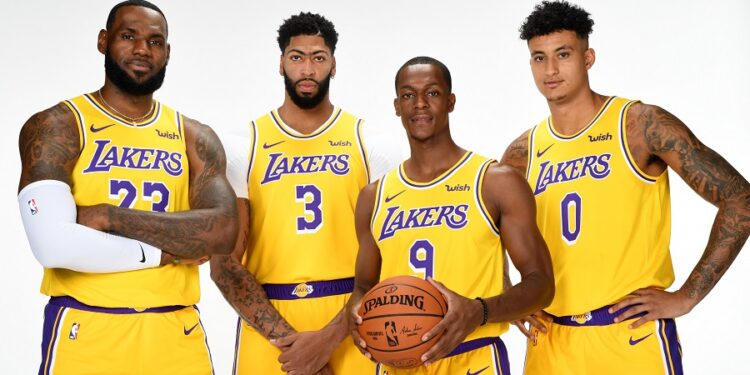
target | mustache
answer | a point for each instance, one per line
(306, 79)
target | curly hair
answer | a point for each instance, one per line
(307, 23)
(426, 60)
(552, 16)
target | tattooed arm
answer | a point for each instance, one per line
(209, 227)
(241, 289)
(658, 139)
(517, 153)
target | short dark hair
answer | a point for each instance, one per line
(137, 3)
(306, 23)
(551, 16)
(419, 60)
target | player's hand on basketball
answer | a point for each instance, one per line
(305, 352)
(354, 321)
(536, 320)
(94, 217)
(463, 317)
(655, 303)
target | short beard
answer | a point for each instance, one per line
(122, 80)
(307, 102)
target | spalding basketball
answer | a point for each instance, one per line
(396, 313)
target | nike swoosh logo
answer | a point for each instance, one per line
(468, 372)
(540, 153)
(187, 331)
(143, 254)
(388, 199)
(266, 145)
(633, 342)
(94, 130)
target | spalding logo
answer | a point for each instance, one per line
(395, 299)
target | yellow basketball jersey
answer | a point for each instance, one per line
(441, 229)
(302, 191)
(606, 222)
(143, 167)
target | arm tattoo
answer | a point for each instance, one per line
(713, 178)
(248, 298)
(517, 154)
(209, 227)
(49, 146)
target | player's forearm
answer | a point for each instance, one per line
(247, 297)
(533, 293)
(188, 234)
(729, 233)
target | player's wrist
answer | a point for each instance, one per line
(483, 310)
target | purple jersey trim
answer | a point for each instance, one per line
(318, 289)
(599, 317)
(67, 301)
(52, 323)
(671, 346)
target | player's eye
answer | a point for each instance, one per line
(433, 93)
(564, 55)
(407, 95)
(295, 58)
(537, 58)
(128, 36)
(319, 58)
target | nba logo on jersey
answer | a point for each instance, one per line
(302, 290)
(74, 331)
(32, 206)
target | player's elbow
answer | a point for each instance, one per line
(46, 249)
(225, 236)
(547, 291)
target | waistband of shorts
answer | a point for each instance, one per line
(309, 289)
(470, 345)
(598, 317)
(67, 301)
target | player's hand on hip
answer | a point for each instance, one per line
(304, 353)
(655, 303)
(536, 320)
(326, 370)
(354, 322)
(463, 317)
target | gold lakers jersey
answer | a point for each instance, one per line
(441, 229)
(143, 167)
(606, 222)
(302, 191)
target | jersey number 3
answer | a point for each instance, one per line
(311, 197)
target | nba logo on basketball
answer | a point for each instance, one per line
(74, 331)
(390, 333)
(32, 206)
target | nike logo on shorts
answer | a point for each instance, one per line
(540, 153)
(468, 372)
(143, 255)
(188, 331)
(388, 199)
(94, 130)
(266, 145)
(636, 341)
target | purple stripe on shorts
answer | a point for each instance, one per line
(237, 346)
(671, 342)
(498, 346)
(71, 302)
(49, 334)
(598, 317)
(310, 289)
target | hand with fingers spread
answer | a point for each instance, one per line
(655, 303)
(463, 317)
(538, 320)
(305, 352)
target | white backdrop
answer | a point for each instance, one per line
(690, 57)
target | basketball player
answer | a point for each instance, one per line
(123, 303)
(297, 180)
(598, 168)
(441, 216)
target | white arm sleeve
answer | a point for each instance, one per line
(48, 212)
(237, 150)
(385, 150)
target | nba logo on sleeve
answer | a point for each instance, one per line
(32, 206)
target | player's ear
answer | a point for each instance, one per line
(333, 67)
(451, 102)
(395, 105)
(101, 41)
(589, 57)
(281, 65)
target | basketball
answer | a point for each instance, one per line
(396, 313)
